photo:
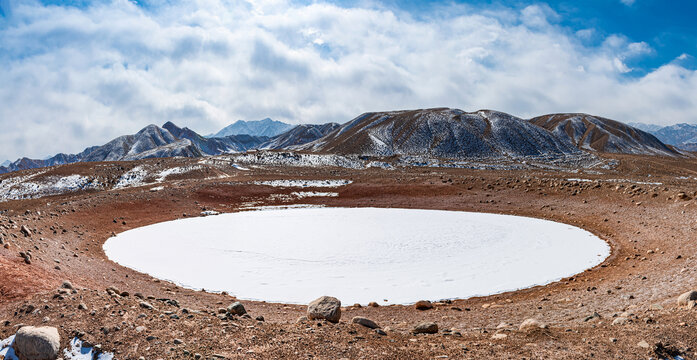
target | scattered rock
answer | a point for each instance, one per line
(499, 336)
(325, 308)
(425, 328)
(423, 305)
(685, 298)
(531, 325)
(146, 305)
(67, 285)
(236, 308)
(364, 322)
(373, 304)
(620, 321)
(37, 343)
(25, 231)
(643, 344)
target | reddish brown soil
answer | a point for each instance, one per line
(651, 231)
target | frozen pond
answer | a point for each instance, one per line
(358, 254)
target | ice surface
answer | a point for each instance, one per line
(358, 254)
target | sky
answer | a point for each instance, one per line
(76, 73)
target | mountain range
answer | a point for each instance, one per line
(682, 136)
(439, 133)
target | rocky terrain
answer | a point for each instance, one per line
(636, 304)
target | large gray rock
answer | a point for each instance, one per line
(236, 308)
(325, 308)
(37, 343)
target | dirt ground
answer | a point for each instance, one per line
(651, 228)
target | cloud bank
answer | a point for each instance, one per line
(78, 76)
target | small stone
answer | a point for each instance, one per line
(67, 285)
(373, 304)
(364, 322)
(531, 325)
(686, 297)
(146, 305)
(620, 321)
(499, 336)
(380, 332)
(643, 344)
(178, 342)
(425, 328)
(423, 305)
(25, 231)
(259, 318)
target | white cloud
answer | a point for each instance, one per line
(77, 77)
(628, 2)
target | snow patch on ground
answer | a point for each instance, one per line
(79, 352)
(304, 183)
(306, 194)
(358, 254)
(21, 188)
(162, 175)
(132, 178)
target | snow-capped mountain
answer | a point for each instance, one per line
(649, 128)
(299, 135)
(265, 127)
(683, 136)
(443, 133)
(6, 163)
(216, 145)
(593, 133)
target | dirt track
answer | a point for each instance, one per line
(650, 228)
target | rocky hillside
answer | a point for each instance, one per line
(597, 134)
(442, 133)
(299, 135)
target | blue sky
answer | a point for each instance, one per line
(93, 70)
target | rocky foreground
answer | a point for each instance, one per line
(57, 287)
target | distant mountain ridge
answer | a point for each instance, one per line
(682, 136)
(437, 133)
(169, 141)
(264, 127)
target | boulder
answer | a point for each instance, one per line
(325, 308)
(423, 305)
(364, 322)
(425, 328)
(37, 343)
(685, 298)
(236, 308)
(531, 325)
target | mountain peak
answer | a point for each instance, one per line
(264, 127)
